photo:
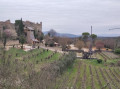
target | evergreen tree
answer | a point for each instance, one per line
(85, 37)
(93, 36)
(19, 27)
(22, 40)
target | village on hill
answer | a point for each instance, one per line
(32, 32)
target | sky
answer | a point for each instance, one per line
(66, 16)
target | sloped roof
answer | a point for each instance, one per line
(30, 28)
(35, 40)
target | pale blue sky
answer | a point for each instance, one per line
(66, 16)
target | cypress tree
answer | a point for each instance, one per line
(19, 27)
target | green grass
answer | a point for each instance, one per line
(93, 62)
(40, 57)
(38, 60)
(73, 75)
(54, 57)
(72, 72)
(68, 77)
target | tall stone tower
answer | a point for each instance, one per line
(38, 27)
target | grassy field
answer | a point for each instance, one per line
(82, 74)
(88, 74)
(33, 55)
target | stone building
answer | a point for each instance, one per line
(7, 25)
(30, 35)
(36, 26)
(29, 28)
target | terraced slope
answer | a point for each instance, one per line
(44, 69)
(86, 75)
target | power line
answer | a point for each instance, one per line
(114, 28)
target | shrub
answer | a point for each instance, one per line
(118, 63)
(46, 44)
(63, 48)
(112, 64)
(51, 44)
(117, 51)
(99, 61)
(99, 45)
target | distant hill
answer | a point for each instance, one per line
(64, 35)
(73, 35)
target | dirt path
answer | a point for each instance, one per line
(53, 49)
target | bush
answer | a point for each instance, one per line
(99, 61)
(63, 48)
(117, 51)
(46, 44)
(118, 63)
(66, 62)
(51, 44)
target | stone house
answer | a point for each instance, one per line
(29, 31)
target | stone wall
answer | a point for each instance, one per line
(35, 26)
(7, 25)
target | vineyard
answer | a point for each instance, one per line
(88, 74)
(83, 75)
(44, 69)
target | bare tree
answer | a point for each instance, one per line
(79, 44)
(64, 41)
(109, 43)
(52, 33)
(7, 34)
(99, 45)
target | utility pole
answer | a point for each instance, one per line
(91, 30)
(90, 49)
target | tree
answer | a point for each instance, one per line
(38, 35)
(7, 34)
(117, 51)
(93, 36)
(99, 45)
(4, 27)
(35, 34)
(56, 39)
(22, 40)
(41, 37)
(85, 37)
(52, 33)
(19, 27)
(64, 41)
(0, 34)
(109, 43)
(79, 44)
